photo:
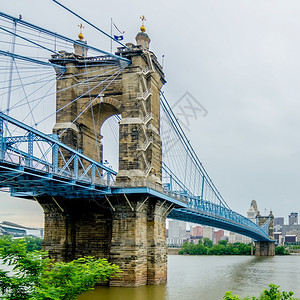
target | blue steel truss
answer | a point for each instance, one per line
(35, 164)
(59, 164)
(79, 177)
(58, 36)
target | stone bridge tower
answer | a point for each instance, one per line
(131, 230)
(264, 248)
(134, 94)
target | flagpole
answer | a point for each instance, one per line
(111, 35)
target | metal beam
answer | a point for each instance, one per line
(43, 30)
(86, 21)
(32, 60)
(55, 141)
(29, 41)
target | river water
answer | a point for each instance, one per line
(209, 277)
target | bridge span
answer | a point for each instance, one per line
(91, 209)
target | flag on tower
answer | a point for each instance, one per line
(118, 37)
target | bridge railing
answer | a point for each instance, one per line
(45, 152)
(200, 206)
(153, 186)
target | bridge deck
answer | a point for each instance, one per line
(26, 182)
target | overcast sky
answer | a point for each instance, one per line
(239, 59)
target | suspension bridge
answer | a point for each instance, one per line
(65, 107)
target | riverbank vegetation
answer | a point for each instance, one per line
(281, 250)
(32, 243)
(35, 277)
(273, 293)
(206, 247)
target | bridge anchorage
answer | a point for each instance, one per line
(89, 208)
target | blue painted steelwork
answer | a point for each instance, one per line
(59, 36)
(37, 177)
(61, 171)
(190, 151)
(11, 67)
(192, 209)
(86, 21)
(29, 41)
(206, 218)
(31, 60)
(2, 143)
(76, 167)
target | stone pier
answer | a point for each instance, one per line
(266, 248)
(128, 230)
(132, 236)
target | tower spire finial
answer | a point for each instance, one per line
(143, 28)
(80, 35)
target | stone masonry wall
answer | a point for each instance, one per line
(264, 248)
(76, 228)
(138, 243)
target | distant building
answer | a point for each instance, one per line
(278, 224)
(278, 237)
(197, 232)
(252, 211)
(238, 238)
(1, 230)
(251, 215)
(291, 230)
(176, 233)
(208, 232)
(291, 238)
(218, 235)
(293, 218)
(16, 230)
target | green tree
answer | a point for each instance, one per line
(280, 250)
(222, 248)
(33, 243)
(229, 296)
(200, 249)
(216, 250)
(269, 294)
(36, 277)
(207, 242)
(223, 242)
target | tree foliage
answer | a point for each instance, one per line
(222, 248)
(207, 242)
(268, 294)
(281, 250)
(36, 277)
(33, 243)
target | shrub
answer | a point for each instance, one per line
(36, 277)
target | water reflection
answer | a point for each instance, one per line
(143, 292)
(209, 277)
(253, 276)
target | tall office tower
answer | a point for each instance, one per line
(278, 223)
(293, 218)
